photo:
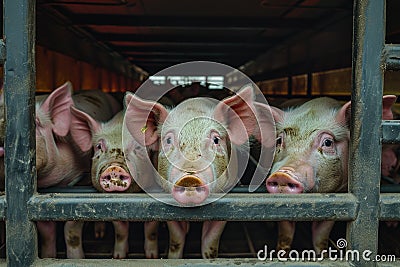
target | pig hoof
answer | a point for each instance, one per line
(99, 230)
(120, 250)
(151, 250)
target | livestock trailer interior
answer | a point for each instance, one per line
(291, 49)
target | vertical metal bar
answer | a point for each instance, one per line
(19, 31)
(366, 119)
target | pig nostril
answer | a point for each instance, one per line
(180, 189)
(189, 181)
(107, 178)
(200, 189)
(124, 178)
(292, 186)
(273, 184)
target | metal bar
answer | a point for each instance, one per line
(391, 132)
(91, 189)
(243, 262)
(2, 51)
(389, 207)
(392, 56)
(389, 188)
(19, 89)
(366, 119)
(232, 207)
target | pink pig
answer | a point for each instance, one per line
(109, 173)
(59, 161)
(312, 157)
(197, 141)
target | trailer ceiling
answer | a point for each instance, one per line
(265, 38)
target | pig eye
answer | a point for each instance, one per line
(168, 140)
(279, 141)
(216, 140)
(100, 146)
(328, 142)
(214, 136)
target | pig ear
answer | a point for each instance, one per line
(57, 105)
(343, 116)
(142, 118)
(238, 111)
(277, 114)
(82, 128)
(387, 102)
(266, 115)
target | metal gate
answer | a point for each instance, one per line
(362, 207)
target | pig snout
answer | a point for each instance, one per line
(283, 182)
(115, 179)
(190, 189)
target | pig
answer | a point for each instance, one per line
(390, 164)
(59, 161)
(389, 169)
(197, 141)
(312, 157)
(109, 173)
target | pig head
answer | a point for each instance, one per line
(312, 147)
(195, 141)
(109, 172)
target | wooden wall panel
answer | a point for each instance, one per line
(89, 77)
(44, 70)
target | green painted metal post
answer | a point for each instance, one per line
(19, 84)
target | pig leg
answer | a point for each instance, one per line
(47, 231)
(73, 239)
(99, 229)
(320, 235)
(286, 231)
(210, 237)
(177, 236)
(121, 229)
(151, 239)
(392, 224)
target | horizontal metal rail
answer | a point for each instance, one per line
(233, 206)
(244, 262)
(392, 56)
(386, 188)
(389, 207)
(391, 132)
